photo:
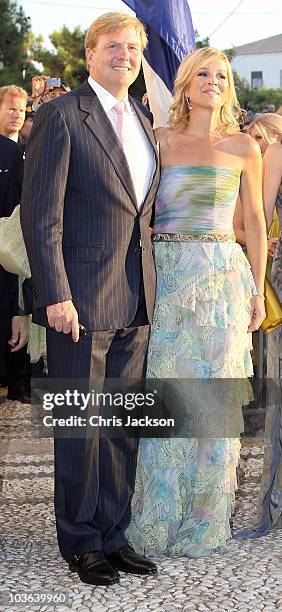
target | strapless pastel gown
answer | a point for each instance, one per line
(184, 491)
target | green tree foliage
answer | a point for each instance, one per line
(67, 60)
(15, 30)
(241, 85)
(230, 53)
(201, 42)
(259, 98)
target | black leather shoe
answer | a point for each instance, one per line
(19, 395)
(127, 560)
(94, 568)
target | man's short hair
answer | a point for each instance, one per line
(114, 22)
(13, 90)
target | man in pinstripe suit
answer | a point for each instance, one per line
(90, 181)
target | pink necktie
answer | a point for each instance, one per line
(119, 108)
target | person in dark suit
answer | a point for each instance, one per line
(13, 329)
(17, 363)
(91, 177)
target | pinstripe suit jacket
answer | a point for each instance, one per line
(79, 214)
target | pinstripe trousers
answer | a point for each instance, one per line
(94, 478)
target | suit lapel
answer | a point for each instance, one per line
(99, 124)
(102, 129)
(145, 122)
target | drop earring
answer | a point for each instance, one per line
(189, 105)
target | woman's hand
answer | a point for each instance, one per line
(271, 247)
(19, 333)
(257, 313)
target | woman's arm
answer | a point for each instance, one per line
(254, 224)
(239, 231)
(272, 174)
(238, 224)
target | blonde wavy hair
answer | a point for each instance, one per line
(269, 126)
(230, 114)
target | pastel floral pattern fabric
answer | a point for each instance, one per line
(184, 492)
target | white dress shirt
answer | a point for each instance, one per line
(137, 148)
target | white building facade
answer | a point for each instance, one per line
(260, 62)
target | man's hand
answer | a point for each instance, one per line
(145, 99)
(19, 333)
(64, 318)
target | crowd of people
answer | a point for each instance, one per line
(134, 239)
(250, 113)
(17, 112)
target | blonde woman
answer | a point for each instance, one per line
(208, 301)
(266, 129)
(271, 489)
(270, 514)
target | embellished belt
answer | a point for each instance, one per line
(212, 237)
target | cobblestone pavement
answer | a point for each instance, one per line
(247, 577)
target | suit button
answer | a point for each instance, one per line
(139, 248)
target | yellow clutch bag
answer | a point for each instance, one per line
(273, 309)
(274, 232)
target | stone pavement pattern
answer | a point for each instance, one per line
(247, 577)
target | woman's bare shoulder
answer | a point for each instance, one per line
(245, 145)
(274, 151)
(243, 140)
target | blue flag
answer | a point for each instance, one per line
(171, 37)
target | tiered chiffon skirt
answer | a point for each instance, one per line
(184, 493)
